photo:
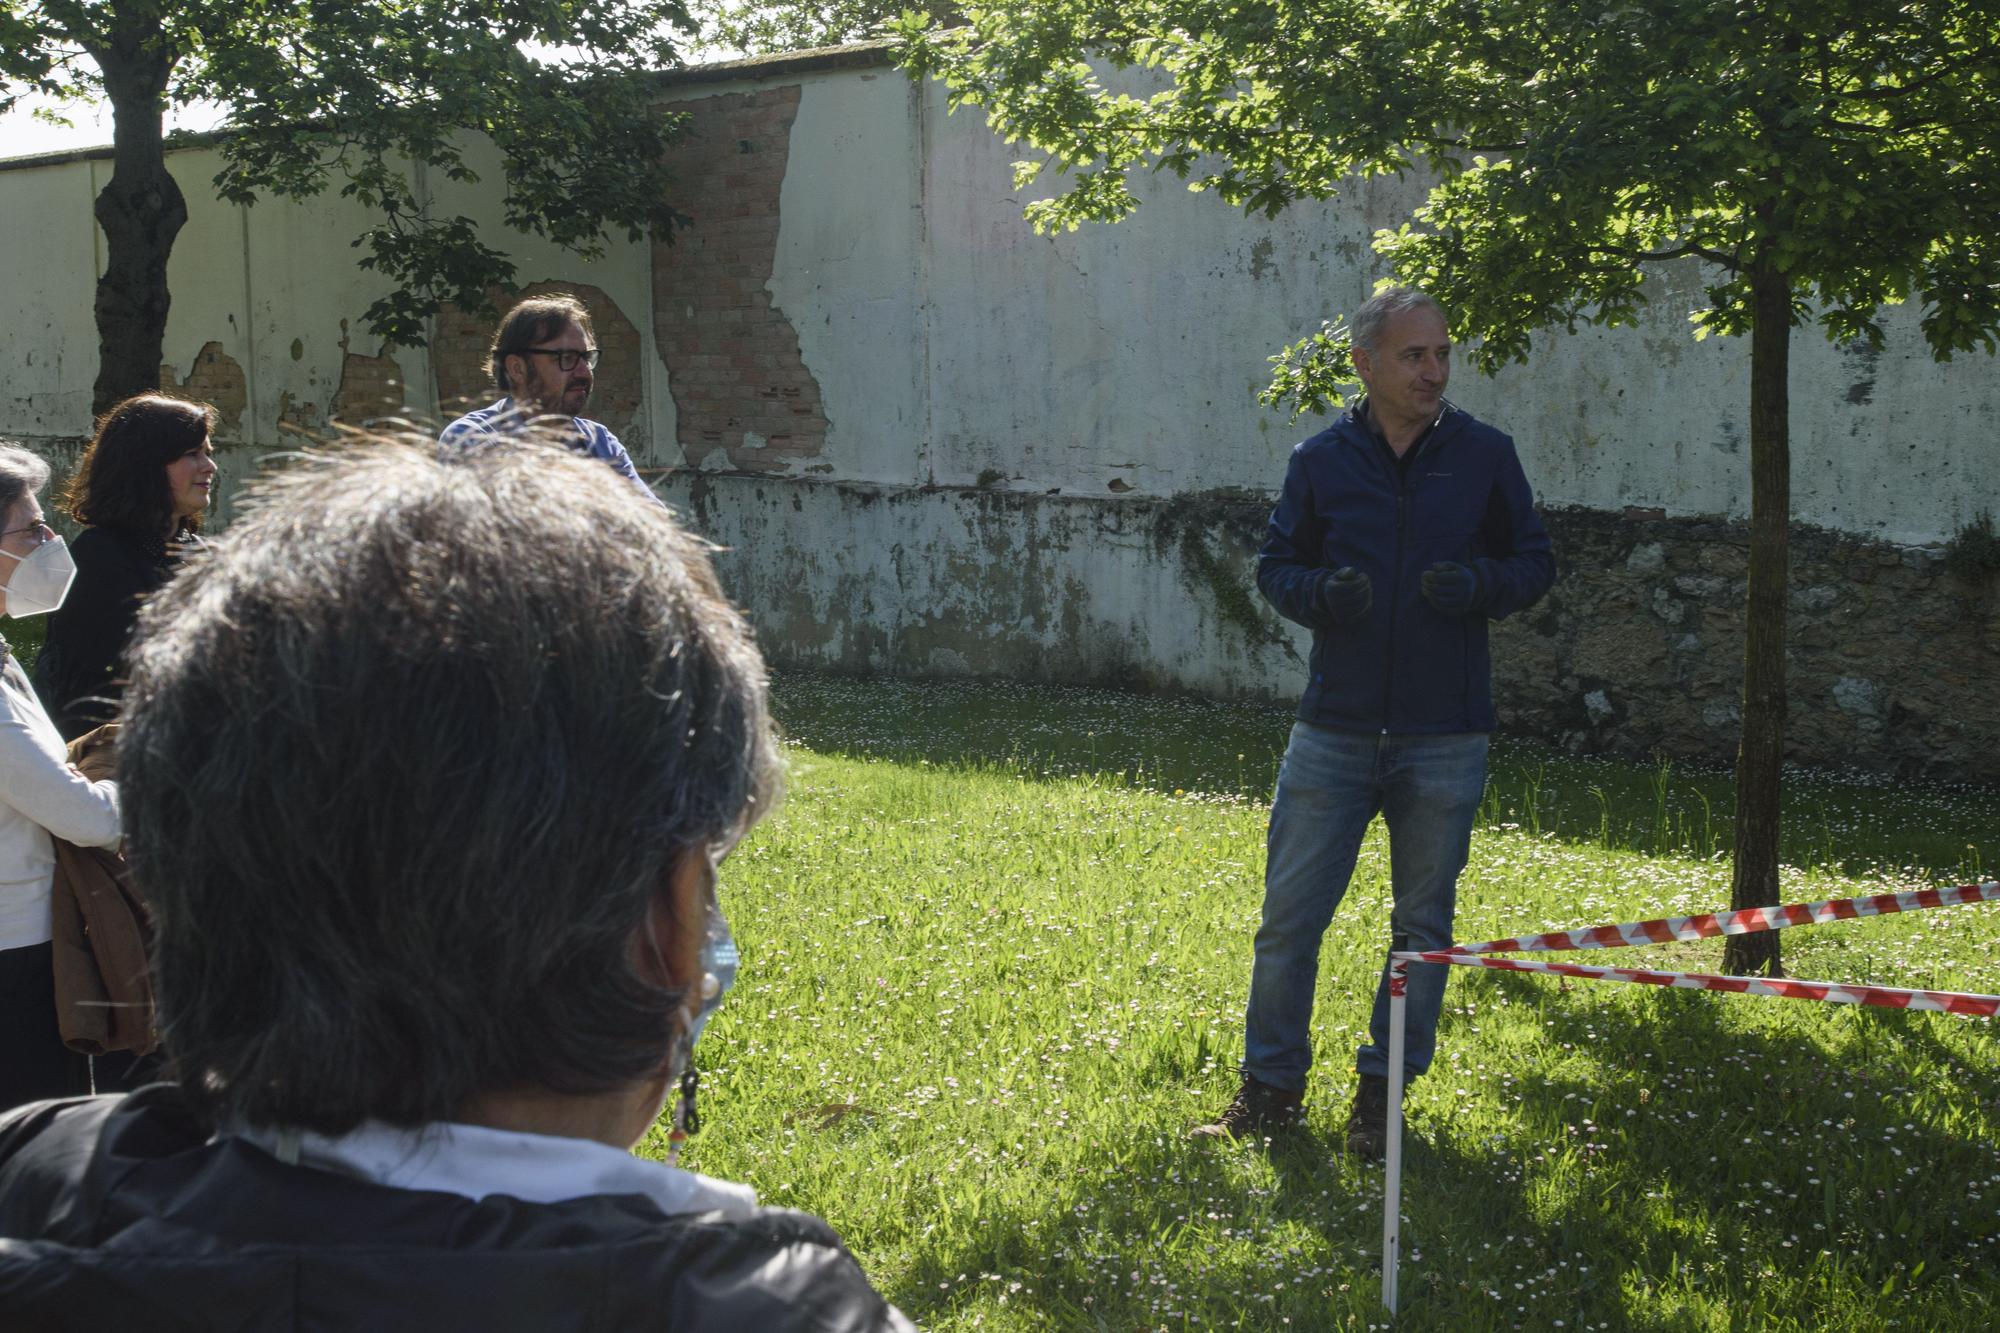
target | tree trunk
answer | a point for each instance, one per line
(1760, 760)
(141, 211)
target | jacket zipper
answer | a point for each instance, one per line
(1400, 476)
(1395, 588)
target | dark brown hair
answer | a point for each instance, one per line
(529, 322)
(122, 480)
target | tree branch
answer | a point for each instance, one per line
(1863, 129)
(1694, 248)
(1927, 81)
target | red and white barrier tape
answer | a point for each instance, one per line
(1886, 997)
(1750, 920)
(1661, 931)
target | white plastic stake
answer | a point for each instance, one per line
(1392, 1183)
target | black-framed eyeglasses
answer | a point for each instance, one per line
(566, 357)
(47, 533)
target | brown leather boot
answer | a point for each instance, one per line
(1368, 1121)
(1257, 1110)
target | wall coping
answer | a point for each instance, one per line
(782, 64)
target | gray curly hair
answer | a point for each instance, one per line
(405, 758)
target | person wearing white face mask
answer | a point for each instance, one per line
(40, 795)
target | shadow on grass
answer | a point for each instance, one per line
(1157, 1230)
(1654, 1164)
(1672, 1166)
(1173, 742)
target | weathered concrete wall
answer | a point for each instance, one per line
(1637, 649)
(936, 442)
(952, 344)
(267, 309)
(952, 581)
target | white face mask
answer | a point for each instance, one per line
(40, 580)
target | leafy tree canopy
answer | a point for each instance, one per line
(1851, 147)
(754, 28)
(349, 95)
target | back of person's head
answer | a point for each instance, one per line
(529, 323)
(406, 759)
(121, 480)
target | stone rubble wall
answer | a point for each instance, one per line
(1893, 664)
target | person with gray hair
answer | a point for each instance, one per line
(1401, 531)
(1371, 321)
(429, 802)
(40, 796)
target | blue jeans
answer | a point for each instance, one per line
(1330, 786)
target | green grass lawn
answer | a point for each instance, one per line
(995, 967)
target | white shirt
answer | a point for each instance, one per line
(473, 1161)
(40, 794)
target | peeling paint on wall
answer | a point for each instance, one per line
(741, 389)
(298, 417)
(215, 378)
(1260, 259)
(1863, 358)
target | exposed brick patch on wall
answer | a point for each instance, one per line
(298, 416)
(371, 387)
(1639, 648)
(217, 379)
(458, 355)
(739, 383)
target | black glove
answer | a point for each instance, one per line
(1452, 588)
(1346, 594)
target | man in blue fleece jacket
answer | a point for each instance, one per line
(1400, 532)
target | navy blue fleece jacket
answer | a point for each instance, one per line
(1405, 668)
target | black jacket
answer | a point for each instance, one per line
(1405, 668)
(80, 673)
(117, 1213)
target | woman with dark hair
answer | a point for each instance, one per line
(140, 492)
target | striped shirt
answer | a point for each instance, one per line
(505, 419)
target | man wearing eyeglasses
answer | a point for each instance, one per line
(542, 359)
